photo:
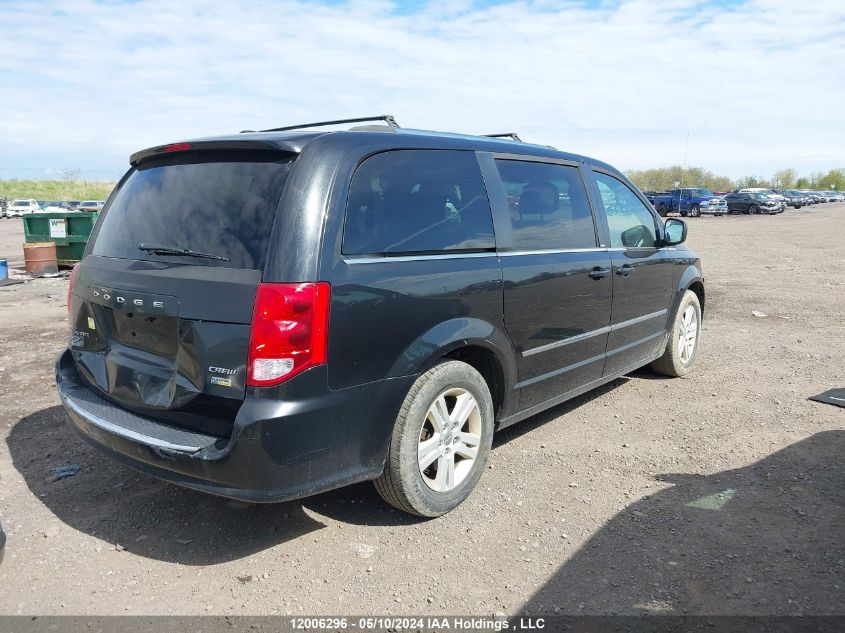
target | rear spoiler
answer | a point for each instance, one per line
(291, 146)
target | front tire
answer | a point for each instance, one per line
(681, 348)
(753, 209)
(440, 443)
(695, 211)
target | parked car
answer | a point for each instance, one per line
(54, 206)
(806, 200)
(793, 198)
(651, 195)
(91, 205)
(767, 192)
(752, 203)
(261, 316)
(717, 206)
(687, 201)
(813, 197)
(21, 207)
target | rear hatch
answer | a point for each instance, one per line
(162, 304)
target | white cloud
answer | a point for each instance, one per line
(757, 84)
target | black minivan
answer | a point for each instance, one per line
(273, 314)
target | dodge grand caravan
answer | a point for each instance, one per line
(268, 315)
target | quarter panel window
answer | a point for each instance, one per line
(548, 206)
(417, 201)
(630, 222)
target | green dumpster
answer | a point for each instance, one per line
(68, 229)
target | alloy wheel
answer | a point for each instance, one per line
(449, 439)
(688, 334)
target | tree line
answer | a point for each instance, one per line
(663, 178)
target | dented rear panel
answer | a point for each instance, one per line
(161, 307)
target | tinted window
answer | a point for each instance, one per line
(548, 206)
(417, 201)
(222, 203)
(630, 222)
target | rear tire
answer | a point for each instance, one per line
(450, 404)
(682, 347)
(662, 211)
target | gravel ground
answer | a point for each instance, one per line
(721, 493)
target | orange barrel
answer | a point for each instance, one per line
(40, 258)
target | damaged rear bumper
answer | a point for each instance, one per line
(281, 447)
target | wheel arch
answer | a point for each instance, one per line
(480, 344)
(690, 279)
(697, 287)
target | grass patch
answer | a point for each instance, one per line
(55, 189)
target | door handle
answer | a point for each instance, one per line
(624, 270)
(599, 273)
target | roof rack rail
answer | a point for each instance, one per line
(511, 135)
(387, 118)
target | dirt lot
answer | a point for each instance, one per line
(721, 493)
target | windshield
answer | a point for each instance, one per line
(221, 203)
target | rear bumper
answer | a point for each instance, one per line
(289, 442)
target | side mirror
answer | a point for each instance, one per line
(674, 232)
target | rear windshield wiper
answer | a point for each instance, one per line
(160, 249)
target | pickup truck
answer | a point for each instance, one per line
(689, 201)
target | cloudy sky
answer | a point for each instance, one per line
(757, 84)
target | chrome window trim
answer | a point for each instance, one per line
(586, 335)
(557, 251)
(352, 260)
(375, 259)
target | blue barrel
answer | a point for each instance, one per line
(4, 269)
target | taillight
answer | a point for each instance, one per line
(289, 331)
(70, 283)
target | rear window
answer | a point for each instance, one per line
(418, 201)
(220, 203)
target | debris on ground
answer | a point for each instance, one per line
(65, 471)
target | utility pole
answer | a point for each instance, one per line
(679, 184)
